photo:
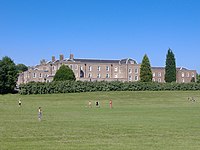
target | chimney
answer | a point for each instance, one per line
(61, 57)
(53, 59)
(71, 57)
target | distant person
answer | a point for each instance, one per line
(90, 104)
(97, 103)
(39, 114)
(110, 103)
(19, 102)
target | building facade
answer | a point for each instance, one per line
(98, 70)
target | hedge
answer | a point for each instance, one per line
(86, 86)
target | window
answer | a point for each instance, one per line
(129, 78)
(153, 80)
(107, 75)
(98, 68)
(192, 74)
(53, 68)
(159, 79)
(116, 76)
(129, 70)
(136, 70)
(154, 74)
(182, 74)
(136, 78)
(76, 67)
(188, 74)
(159, 74)
(98, 75)
(71, 67)
(107, 68)
(90, 68)
(183, 80)
(89, 75)
(34, 75)
(40, 75)
(116, 69)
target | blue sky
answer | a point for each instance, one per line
(31, 30)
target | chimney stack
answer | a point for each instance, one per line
(53, 59)
(61, 57)
(71, 57)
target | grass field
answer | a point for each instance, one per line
(138, 120)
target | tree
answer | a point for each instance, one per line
(192, 79)
(21, 68)
(145, 70)
(8, 75)
(64, 73)
(170, 68)
(198, 78)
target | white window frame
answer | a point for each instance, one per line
(40, 75)
(188, 74)
(130, 78)
(89, 75)
(34, 75)
(116, 69)
(136, 70)
(154, 74)
(98, 75)
(107, 68)
(136, 78)
(192, 74)
(159, 74)
(182, 74)
(90, 68)
(98, 68)
(129, 70)
(107, 75)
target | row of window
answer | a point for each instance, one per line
(187, 74)
(182, 74)
(159, 74)
(40, 75)
(158, 80)
(90, 68)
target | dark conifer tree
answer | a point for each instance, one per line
(170, 67)
(145, 70)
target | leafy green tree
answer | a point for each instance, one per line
(21, 68)
(198, 78)
(192, 79)
(170, 67)
(8, 75)
(64, 73)
(145, 70)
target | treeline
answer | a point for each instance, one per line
(86, 86)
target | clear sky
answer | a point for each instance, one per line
(31, 30)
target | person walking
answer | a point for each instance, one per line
(110, 103)
(19, 102)
(39, 114)
(90, 104)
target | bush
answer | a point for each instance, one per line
(86, 86)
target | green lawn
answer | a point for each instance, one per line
(138, 120)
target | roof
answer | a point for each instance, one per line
(96, 61)
(158, 68)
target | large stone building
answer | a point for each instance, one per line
(98, 70)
